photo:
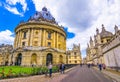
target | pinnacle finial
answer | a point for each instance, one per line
(116, 28)
(103, 28)
(44, 9)
(97, 31)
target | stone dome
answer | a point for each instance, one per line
(105, 33)
(43, 15)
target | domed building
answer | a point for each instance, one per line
(39, 41)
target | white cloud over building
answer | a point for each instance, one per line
(6, 37)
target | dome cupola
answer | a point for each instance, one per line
(105, 33)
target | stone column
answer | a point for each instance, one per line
(17, 38)
(31, 38)
(54, 40)
(21, 34)
(44, 38)
(18, 44)
(28, 38)
(39, 37)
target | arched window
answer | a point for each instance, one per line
(18, 60)
(49, 58)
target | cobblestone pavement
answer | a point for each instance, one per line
(78, 74)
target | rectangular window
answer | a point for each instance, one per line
(49, 44)
(74, 53)
(75, 57)
(69, 61)
(24, 36)
(23, 44)
(49, 35)
(75, 61)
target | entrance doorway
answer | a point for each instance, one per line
(49, 58)
(18, 59)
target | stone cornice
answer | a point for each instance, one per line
(40, 25)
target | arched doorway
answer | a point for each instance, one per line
(34, 59)
(18, 59)
(49, 58)
(60, 59)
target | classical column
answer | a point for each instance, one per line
(28, 37)
(39, 37)
(57, 40)
(20, 39)
(18, 42)
(44, 38)
(31, 38)
(54, 40)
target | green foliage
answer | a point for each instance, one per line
(18, 71)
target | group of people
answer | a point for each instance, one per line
(61, 69)
(101, 66)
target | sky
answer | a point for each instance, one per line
(80, 18)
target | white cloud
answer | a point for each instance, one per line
(13, 10)
(6, 37)
(11, 3)
(82, 17)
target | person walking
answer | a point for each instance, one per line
(63, 68)
(100, 67)
(50, 70)
(103, 65)
(60, 68)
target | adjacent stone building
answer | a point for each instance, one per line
(5, 54)
(94, 49)
(74, 55)
(39, 41)
(104, 48)
(111, 51)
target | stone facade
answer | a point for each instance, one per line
(95, 47)
(111, 50)
(5, 54)
(39, 41)
(74, 55)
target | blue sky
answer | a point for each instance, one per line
(79, 17)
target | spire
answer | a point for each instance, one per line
(97, 31)
(116, 28)
(87, 45)
(91, 39)
(103, 28)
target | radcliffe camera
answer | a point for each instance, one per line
(59, 41)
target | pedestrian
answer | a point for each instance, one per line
(63, 68)
(50, 70)
(80, 64)
(100, 67)
(88, 65)
(103, 65)
(60, 68)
